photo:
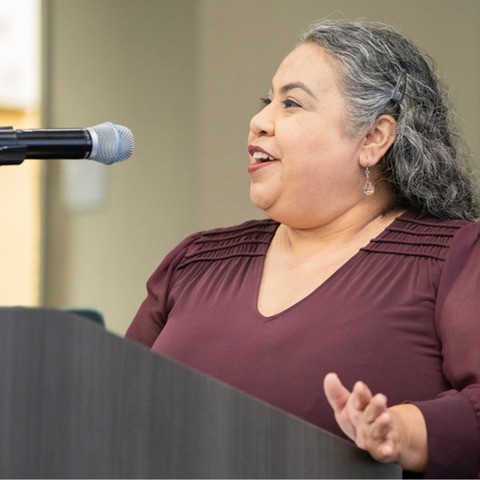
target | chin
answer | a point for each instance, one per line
(262, 202)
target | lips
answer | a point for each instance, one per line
(261, 158)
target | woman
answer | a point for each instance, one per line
(366, 265)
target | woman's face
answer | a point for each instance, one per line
(304, 170)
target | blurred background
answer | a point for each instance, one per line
(185, 76)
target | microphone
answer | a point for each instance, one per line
(106, 143)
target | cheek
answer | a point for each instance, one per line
(307, 168)
(318, 175)
(313, 184)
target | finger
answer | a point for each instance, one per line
(337, 395)
(361, 396)
(384, 453)
(381, 427)
(387, 452)
(377, 439)
(376, 406)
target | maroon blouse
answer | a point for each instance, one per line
(402, 315)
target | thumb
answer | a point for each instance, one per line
(337, 395)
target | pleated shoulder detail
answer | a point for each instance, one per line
(417, 235)
(250, 239)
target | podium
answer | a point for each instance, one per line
(79, 402)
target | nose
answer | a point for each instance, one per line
(262, 123)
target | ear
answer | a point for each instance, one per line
(377, 141)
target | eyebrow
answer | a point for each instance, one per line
(301, 85)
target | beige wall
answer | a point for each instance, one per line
(186, 76)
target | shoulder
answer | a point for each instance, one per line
(428, 224)
(250, 238)
(452, 231)
(421, 235)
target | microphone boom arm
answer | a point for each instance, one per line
(12, 154)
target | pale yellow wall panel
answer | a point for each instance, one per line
(20, 221)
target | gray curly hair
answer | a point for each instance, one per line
(381, 72)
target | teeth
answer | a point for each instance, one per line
(262, 156)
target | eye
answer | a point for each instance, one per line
(265, 101)
(289, 103)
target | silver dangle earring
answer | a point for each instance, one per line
(368, 187)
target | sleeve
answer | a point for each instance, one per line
(453, 418)
(153, 312)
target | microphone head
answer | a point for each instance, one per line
(110, 143)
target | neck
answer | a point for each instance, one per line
(353, 227)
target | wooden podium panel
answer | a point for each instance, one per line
(79, 402)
